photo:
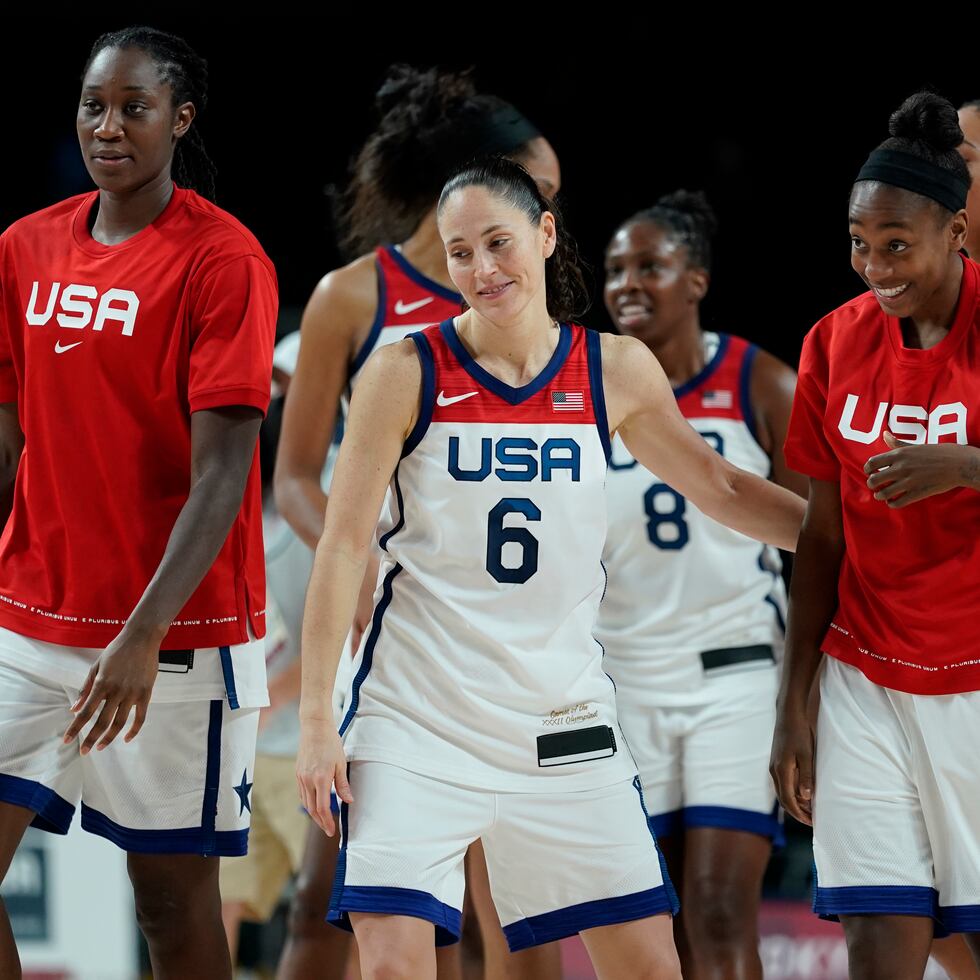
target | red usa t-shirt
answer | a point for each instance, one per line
(910, 579)
(107, 350)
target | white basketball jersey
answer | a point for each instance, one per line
(680, 583)
(480, 666)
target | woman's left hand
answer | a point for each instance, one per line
(909, 472)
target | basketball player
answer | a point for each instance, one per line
(969, 149)
(135, 359)
(885, 581)
(479, 702)
(431, 122)
(693, 614)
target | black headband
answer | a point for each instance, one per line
(915, 174)
(503, 130)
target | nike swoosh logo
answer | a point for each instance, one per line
(441, 398)
(402, 308)
(58, 349)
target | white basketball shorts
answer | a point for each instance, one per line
(182, 786)
(707, 764)
(896, 808)
(559, 863)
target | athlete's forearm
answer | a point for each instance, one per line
(331, 599)
(302, 502)
(223, 449)
(11, 447)
(758, 508)
(812, 604)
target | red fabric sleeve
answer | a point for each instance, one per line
(233, 331)
(807, 448)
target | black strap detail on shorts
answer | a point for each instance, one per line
(176, 661)
(729, 656)
(579, 745)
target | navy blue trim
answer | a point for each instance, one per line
(593, 353)
(340, 873)
(53, 812)
(372, 641)
(386, 537)
(372, 338)
(397, 901)
(745, 388)
(334, 805)
(562, 923)
(876, 900)
(734, 818)
(421, 279)
(666, 824)
(779, 613)
(515, 396)
(960, 918)
(190, 840)
(428, 392)
(212, 773)
(228, 672)
(668, 885)
(709, 368)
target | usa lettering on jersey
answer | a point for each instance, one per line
(906, 422)
(77, 305)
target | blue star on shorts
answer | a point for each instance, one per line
(243, 789)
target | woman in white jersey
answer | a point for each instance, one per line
(693, 614)
(479, 707)
(430, 123)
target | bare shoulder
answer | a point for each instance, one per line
(622, 357)
(632, 378)
(395, 367)
(344, 297)
(773, 381)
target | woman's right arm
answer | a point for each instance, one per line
(342, 305)
(11, 446)
(812, 604)
(383, 411)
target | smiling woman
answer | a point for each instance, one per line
(479, 700)
(885, 584)
(131, 572)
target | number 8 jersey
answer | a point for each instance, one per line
(680, 583)
(480, 666)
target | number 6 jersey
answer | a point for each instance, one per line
(480, 666)
(680, 583)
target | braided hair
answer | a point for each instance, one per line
(567, 292)
(186, 72)
(688, 219)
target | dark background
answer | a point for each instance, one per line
(773, 123)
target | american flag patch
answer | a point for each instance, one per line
(567, 401)
(716, 399)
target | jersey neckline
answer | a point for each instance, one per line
(966, 304)
(420, 278)
(709, 369)
(500, 388)
(83, 236)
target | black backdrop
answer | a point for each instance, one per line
(773, 128)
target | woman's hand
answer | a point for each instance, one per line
(320, 765)
(911, 472)
(120, 680)
(791, 763)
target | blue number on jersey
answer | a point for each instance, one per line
(658, 520)
(498, 536)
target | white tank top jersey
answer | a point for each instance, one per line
(681, 584)
(480, 666)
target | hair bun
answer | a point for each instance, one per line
(695, 205)
(928, 118)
